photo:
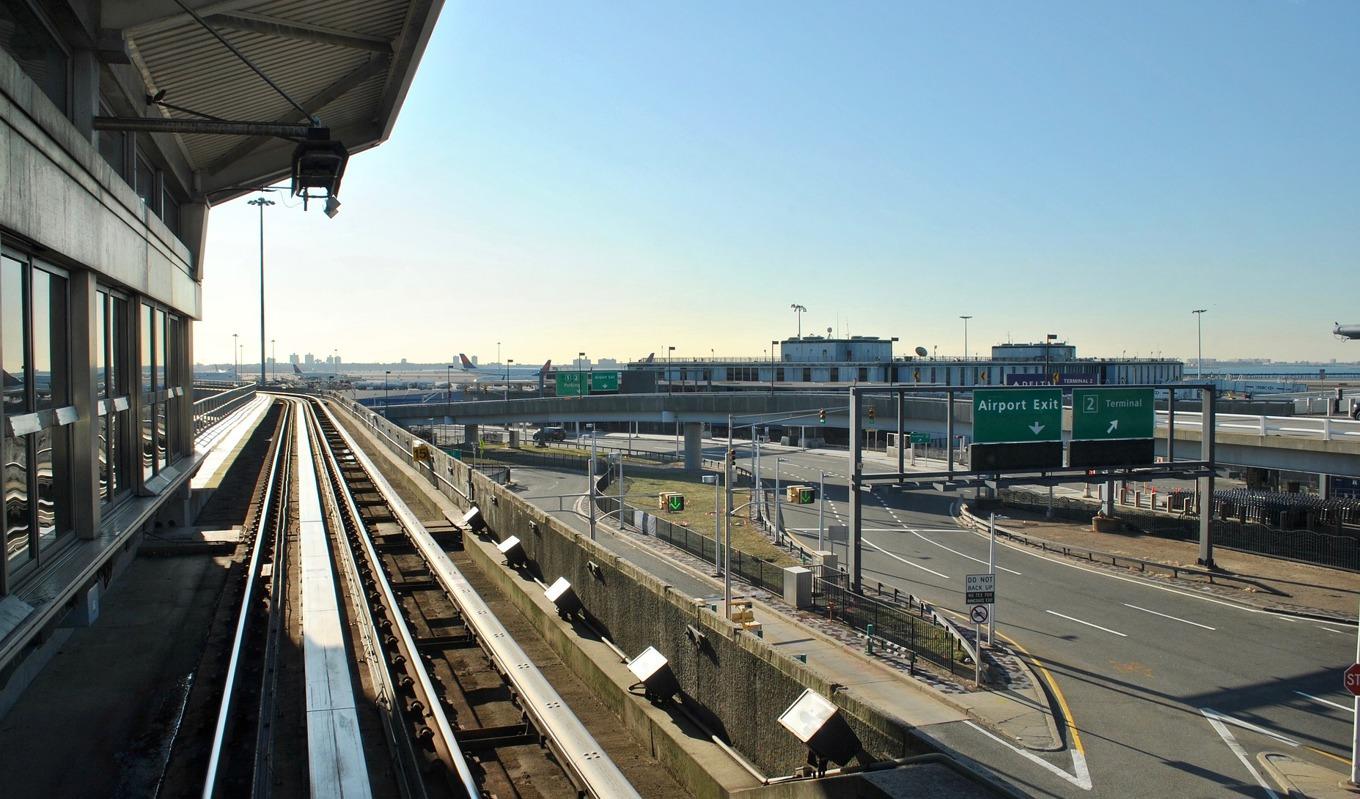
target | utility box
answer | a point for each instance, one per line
(798, 586)
(85, 610)
(671, 501)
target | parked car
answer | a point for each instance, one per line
(546, 434)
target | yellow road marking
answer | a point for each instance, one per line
(1057, 692)
(1327, 754)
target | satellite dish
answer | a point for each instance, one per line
(921, 352)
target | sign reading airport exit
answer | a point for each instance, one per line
(1017, 415)
(1110, 413)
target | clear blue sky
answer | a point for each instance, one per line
(616, 178)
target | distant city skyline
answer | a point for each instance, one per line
(620, 180)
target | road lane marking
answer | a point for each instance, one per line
(960, 554)
(1169, 616)
(1068, 720)
(1330, 630)
(1328, 702)
(1087, 623)
(1236, 748)
(1080, 776)
(869, 543)
(1210, 713)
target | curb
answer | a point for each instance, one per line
(1267, 761)
(1051, 717)
(967, 520)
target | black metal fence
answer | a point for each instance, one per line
(1286, 511)
(908, 625)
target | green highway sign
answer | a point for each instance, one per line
(578, 384)
(1004, 416)
(570, 384)
(1109, 413)
(603, 382)
(920, 438)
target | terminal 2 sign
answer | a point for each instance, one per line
(1021, 428)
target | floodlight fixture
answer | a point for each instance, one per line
(561, 594)
(818, 723)
(654, 674)
(513, 551)
(319, 166)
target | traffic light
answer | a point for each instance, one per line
(872, 413)
(731, 457)
(821, 416)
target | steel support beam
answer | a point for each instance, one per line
(854, 551)
(202, 127)
(1206, 483)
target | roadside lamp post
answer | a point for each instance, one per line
(261, 202)
(798, 309)
(821, 507)
(448, 396)
(273, 360)
(386, 372)
(965, 334)
(1199, 337)
(669, 351)
(235, 361)
(508, 361)
(778, 505)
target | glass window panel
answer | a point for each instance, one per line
(18, 549)
(145, 362)
(162, 446)
(53, 473)
(106, 486)
(50, 375)
(12, 308)
(148, 444)
(146, 184)
(113, 146)
(28, 42)
(101, 347)
(170, 211)
(162, 348)
(118, 348)
(118, 470)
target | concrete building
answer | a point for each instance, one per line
(814, 362)
(105, 188)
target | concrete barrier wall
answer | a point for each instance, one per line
(737, 683)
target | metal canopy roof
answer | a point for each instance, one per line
(347, 62)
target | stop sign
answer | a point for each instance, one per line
(1352, 679)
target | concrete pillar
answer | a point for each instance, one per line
(694, 446)
(1324, 486)
(84, 463)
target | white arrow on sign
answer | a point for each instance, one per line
(1114, 425)
(1036, 428)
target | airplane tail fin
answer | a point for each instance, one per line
(543, 371)
(650, 358)
(296, 370)
(463, 359)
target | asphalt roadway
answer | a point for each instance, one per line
(1171, 692)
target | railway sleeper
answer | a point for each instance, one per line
(482, 739)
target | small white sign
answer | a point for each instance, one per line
(979, 589)
(978, 614)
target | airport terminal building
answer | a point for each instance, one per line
(819, 363)
(114, 144)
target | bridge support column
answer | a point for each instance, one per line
(1324, 486)
(694, 446)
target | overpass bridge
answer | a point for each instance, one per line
(1317, 445)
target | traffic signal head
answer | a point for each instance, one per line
(872, 413)
(731, 457)
(821, 416)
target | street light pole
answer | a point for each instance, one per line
(778, 505)
(385, 374)
(798, 309)
(235, 361)
(965, 334)
(821, 507)
(669, 350)
(1199, 336)
(261, 202)
(508, 361)
(772, 344)
(273, 360)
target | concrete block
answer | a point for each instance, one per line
(798, 586)
(827, 559)
(86, 610)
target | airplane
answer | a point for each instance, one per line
(651, 358)
(1345, 332)
(515, 374)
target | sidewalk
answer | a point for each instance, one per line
(1265, 582)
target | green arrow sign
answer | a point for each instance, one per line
(1108, 413)
(571, 384)
(920, 438)
(604, 382)
(675, 503)
(1003, 416)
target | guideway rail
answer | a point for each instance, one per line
(580, 757)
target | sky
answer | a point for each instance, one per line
(618, 178)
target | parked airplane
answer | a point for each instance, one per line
(1346, 331)
(515, 374)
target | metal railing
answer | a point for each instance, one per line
(213, 409)
(1323, 428)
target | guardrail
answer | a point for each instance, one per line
(1324, 428)
(211, 410)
